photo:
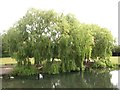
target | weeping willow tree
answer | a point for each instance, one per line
(103, 42)
(47, 35)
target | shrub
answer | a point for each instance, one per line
(99, 64)
(109, 64)
(24, 71)
(102, 63)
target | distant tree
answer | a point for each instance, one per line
(116, 50)
(4, 45)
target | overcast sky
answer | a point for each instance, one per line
(101, 12)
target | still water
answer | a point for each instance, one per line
(87, 79)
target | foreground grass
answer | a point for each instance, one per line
(114, 60)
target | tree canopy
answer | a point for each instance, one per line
(47, 35)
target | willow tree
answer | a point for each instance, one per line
(38, 28)
(103, 40)
(86, 43)
(19, 39)
(46, 35)
(83, 41)
(65, 25)
(14, 39)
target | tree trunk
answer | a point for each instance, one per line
(82, 62)
(25, 62)
(19, 63)
(53, 59)
(28, 61)
(82, 66)
(36, 62)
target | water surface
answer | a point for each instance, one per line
(87, 79)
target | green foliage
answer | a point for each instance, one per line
(24, 71)
(46, 35)
(116, 50)
(57, 66)
(99, 64)
(63, 69)
(103, 42)
(54, 69)
(68, 66)
(108, 63)
(103, 63)
(51, 68)
(4, 45)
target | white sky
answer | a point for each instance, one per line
(101, 12)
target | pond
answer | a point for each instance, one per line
(87, 79)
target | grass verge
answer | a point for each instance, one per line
(8, 60)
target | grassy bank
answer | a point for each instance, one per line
(114, 60)
(9, 60)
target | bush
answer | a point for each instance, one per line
(99, 64)
(109, 64)
(102, 63)
(24, 71)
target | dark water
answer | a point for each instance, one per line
(87, 79)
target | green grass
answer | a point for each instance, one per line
(9, 60)
(115, 60)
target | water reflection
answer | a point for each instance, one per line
(115, 78)
(54, 85)
(87, 79)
